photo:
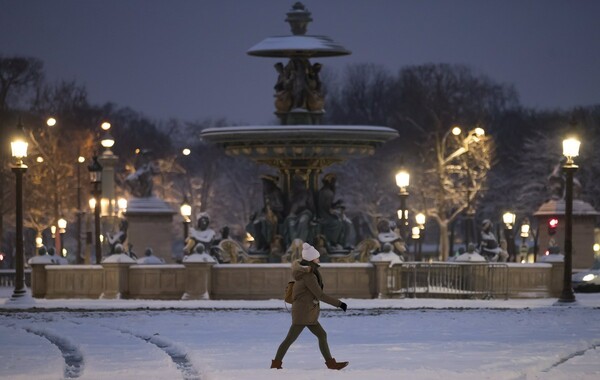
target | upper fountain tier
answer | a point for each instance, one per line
(298, 44)
(300, 145)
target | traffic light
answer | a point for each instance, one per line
(552, 225)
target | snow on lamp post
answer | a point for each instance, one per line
(570, 151)
(19, 151)
(95, 170)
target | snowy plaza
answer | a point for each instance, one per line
(434, 197)
(382, 339)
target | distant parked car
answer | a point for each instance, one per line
(587, 280)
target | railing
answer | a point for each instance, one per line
(449, 280)
(7, 277)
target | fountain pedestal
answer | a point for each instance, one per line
(150, 226)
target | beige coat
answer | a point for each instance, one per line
(307, 294)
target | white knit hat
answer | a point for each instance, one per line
(309, 253)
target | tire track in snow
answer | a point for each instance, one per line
(573, 355)
(178, 356)
(74, 362)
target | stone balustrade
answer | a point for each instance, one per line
(207, 280)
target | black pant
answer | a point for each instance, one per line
(294, 333)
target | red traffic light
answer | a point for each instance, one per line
(552, 224)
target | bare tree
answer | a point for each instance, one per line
(455, 170)
(362, 97)
(18, 76)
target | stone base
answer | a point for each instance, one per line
(150, 226)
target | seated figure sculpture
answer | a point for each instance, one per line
(336, 227)
(297, 224)
(387, 235)
(489, 247)
(202, 234)
(264, 224)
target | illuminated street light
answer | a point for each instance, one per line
(525, 227)
(122, 204)
(420, 219)
(51, 122)
(19, 151)
(509, 219)
(62, 228)
(403, 181)
(186, 151)
(186, 213)
(107, 141)
(570, 151)
(62, 225)
(472, 137)
(95, 170)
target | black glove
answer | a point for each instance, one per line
(343, 306)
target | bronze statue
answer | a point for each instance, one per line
(298, 86)
(202, 234)
(140, 182)
(489, 248)
(297, 224)
(264, 224)
(332, 221)
(387, 235)
(119, 237)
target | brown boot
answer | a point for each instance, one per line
(332, 364)
(276, 364)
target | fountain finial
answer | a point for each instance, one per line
(298, 17)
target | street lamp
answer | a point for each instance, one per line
(403, 181)
(18, 147)
(570, 150)
(525, 231)
(509, 220)
(107, 140)
(186, 212)
(420, 220)
(80, 160)
(95, 170)
(62, 228)
(121, 206)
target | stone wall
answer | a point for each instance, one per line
(253, 281)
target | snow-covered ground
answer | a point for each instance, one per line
(383, 339)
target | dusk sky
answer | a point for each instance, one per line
(187, 59)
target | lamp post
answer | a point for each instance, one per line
(525, 228)
(403, 181)
(186, 212)
(62, 228)
(95, 170)
(420, 219)
(80, 160)
(509, 219)
(570, 150)
(19, 151)
(416, 236)
(108, 161)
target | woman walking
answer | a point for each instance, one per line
(308, 291)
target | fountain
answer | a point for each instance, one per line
(300, 148)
